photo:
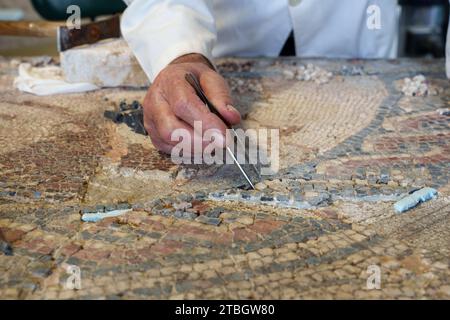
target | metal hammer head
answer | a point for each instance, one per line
(88, 33)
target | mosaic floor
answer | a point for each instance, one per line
(349, 148)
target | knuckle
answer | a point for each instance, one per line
(216, 85)
(212, 121)
(165, 131)
(181, 106)
(223, 92)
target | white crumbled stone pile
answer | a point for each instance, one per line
(309, 73)
(241, 86)
(109, 63)
(415, 87)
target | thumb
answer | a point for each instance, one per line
(218, 92)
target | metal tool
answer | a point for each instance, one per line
(192, 80)
(66, 38)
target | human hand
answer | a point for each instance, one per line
(171, 103)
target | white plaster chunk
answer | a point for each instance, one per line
(97, 216)
(415, 87)
(314, 73)
(109, 63)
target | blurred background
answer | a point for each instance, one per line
(422, 30)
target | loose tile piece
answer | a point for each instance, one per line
(414, 199)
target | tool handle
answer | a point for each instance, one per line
(29, 28)
(198, 89)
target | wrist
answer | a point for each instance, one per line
(194, 58)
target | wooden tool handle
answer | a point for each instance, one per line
(29, 28)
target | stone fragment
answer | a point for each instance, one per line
(353, 70)
(232, 194)
(208, 220)
(321, 199)
(260, 186)
(89, 210)
(444, 111)
(440, 265)
(100, 208)
(166, 212)
(178, 214)
(185, 197)
(282, 198)
(414, 199)
(245, 220)
(200, 207)
(6, 248)
(384, 179)
(182, 206)
(123, 206)
(108, 63)
(200, 195)
(217, 194)
(189, 215)
(313, 73)
(94, 217)
(415, 87)
(111, 207)
(266, 198)
(245, 195)
(289, 74)
(215, 212)
(296, 197)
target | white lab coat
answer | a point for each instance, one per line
(159, 31)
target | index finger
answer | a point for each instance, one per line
(187, 106)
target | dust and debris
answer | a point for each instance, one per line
(309, 72)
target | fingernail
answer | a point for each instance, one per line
(231, 108)
(219, 139)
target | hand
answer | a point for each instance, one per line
(171, 103)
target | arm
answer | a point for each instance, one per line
(169, 39)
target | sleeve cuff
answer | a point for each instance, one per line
(158, 32)
(173, 52)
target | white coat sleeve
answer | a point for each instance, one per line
(159, 31)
